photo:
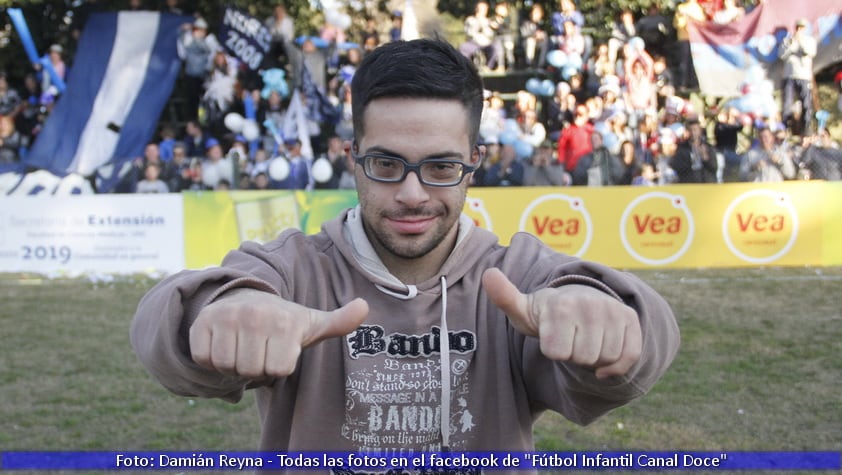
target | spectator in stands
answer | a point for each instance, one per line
(397, 26)
(220, 86)
(335, 155)
(730, 12)
(152, 182)
(535, 42)
(12, 142)
(664, 83)
(629, 159)
(664, 152)
(479, 35)
(559, 112)
(571, 41)
(685, 13)
(695, 160)
(507, 171)
(180, 178)
(299, 168)
(260, 181)
(197, 47)
(271, 109)
(599, 66)
(174, 7)
(533, 131)
(345, 127)
(165, 146)
(656, 30)
(504, 36)
(542, 170)
(797, 52)
(194, 139)
(567, 12)
(767, 162)
(726, 132)
(575, 140)
(645, 175)
(282, 29)
(599, 167)
(216, 166)
(10, 100)
(641, 94)
(370, 37)
(56, 60)
(32, 110)
(347, 179)
(622, 31)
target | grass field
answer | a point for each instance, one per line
(760, 368)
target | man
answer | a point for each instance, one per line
(542, 170)
(768, 162)
(401, 326)
(797, 51)
(599, 167)
(695, 159)
(575, 140)
(480, 36)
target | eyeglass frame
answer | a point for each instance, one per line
(416, 167)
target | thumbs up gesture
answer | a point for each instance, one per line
(573, 323)
(256, 335)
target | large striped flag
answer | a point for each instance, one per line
(123, 73)
(726, 56)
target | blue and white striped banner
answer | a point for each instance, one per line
(122, 76)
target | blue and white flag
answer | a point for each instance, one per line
(123, 74)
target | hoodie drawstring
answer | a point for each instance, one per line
(444, 344)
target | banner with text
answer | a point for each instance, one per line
(92, 233)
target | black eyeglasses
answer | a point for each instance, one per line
(431, 172)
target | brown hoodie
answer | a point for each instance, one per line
(380, 388)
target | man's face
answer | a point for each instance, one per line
(410, 220)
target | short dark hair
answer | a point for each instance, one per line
(422, 69)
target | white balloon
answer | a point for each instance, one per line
(279, 169)
(344, 21)
(322, 170)
(332, 17)
(234, 122)
(251, 131)
(210, 175)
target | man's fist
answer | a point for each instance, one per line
(259, 335)
(574, 323)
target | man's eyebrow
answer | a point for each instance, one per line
(386, 151)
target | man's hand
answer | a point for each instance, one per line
(574, 323)
(259, 335)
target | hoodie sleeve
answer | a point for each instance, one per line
(573, 390)
(160, 328)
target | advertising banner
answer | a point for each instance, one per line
(92, 233)
(679, 226)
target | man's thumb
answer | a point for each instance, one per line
(503, 293)
(339, 322)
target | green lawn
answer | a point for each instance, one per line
(760, 368)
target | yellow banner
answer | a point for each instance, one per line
(680, 226)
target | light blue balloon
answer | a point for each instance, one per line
(547, 88)
(533, 85)
(575, 60)
(568, 72)
(508, 137)
(511, 125)
(557, 58)
(522, 149)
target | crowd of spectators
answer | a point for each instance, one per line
(594, 112)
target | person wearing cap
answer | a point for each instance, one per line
(767, 162)
(299, 177)
(797, 52)
(542, 170)
(196, 47)
(216, 166)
